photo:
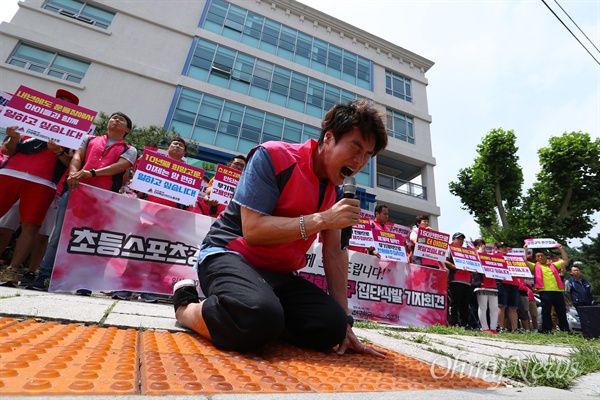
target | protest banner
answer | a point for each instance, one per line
(545, 243)
(362, 236)
(387, 291)
(113, 242)
(45, 117)
(465, 259)
(224, 184)
(164, 177)
(517, 266)
(494, 266)
(432, 245)
(4, 99)
(390, 245)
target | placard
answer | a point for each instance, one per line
(432, 245)
(465, 259)
(390, 245)
(224, 184)
(164, 177)
(45, 117)
(494, 266)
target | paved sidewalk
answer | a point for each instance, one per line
(446, 366)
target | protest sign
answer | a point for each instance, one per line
(390, 245)
(465, 259)
(545, 243)
(224, 184)
(362, 236)
(432, 245)
(366, 214)
(494, 266)
(103, 248)
(401, 229)
(517, 266)
(167, 178)
(45, 117)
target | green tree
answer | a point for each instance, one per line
(567, 192)
(491, 187)
(560, 203)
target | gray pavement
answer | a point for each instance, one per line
(454, 353)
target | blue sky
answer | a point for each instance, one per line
(498, 64)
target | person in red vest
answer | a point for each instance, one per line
(550, 287)
(29, 179)
(508, 298)
(287, 195)
(459, 288)
(382, 214)
(100, 161)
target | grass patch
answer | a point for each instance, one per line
(583, 359)
(440, 352)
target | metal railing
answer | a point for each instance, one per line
(401, 186)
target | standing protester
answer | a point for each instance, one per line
(459, 288)
(550, 288)
(382, 215)
(487, 295)
(287, 194)
(100, 161)
(29, 177)
(577, 288)
(508, 298)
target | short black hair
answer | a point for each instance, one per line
(127, 119)
(420, 218)
(180, 140)
(358, 113)
(380, 208)
(240, 156)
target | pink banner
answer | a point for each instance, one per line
(114, 242)
(494, 266)
(387, 291)
(224, 184)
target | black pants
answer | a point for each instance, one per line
(556, 299)
(460, 294)
(246, 308)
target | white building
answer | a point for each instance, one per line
(231, 75)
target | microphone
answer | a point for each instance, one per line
(349, 190)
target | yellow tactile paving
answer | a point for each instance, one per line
(70, 359)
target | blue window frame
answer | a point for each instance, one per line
(400, 126)
(398, 86)
(271, 36)
(81, 11)
(48, 63)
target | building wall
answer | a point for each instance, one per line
(136, 67)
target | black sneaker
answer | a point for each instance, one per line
(41, 284)
(184, 293)
(28, 277)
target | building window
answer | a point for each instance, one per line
(400, 126)
(262, 33)
(81, 11)
(245, 74)
(49, 63)
(398, 86)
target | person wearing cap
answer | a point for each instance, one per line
(459, 288)
(550, 287)
(577, 288)
(29, 181)
(100, 161)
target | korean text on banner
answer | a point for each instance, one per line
(167, 178)
(545, 243)
(517, 266)
(390, 245)
(432, 245)
(494, 266)
(362, 236)
(106, 245)
(45, 117)
(226, 180)
(465, 259)
(387, 291)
